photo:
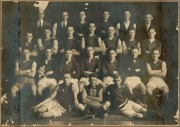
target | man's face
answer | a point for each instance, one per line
(65, 16)
(92, 27)
(112, 55)
(106, 15)
(26, 54)
(67, 78)
(148, 18)
(70, 31)
(155, 54)
(135, 53)
(93, 81)
(47, 33)
(118, 81)
(111, 31)
(41, 16)
(132, 34)
(152, 33)
(82, 15)
(29, 37)
(127, 15)
(48, 53)
(90, 51)
(69, 54)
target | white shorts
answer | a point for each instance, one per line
(156, 82)
(133, 81)
(46, 82)
(74, 81)
(55, 108)
(86, 81)
(108, 80)
(130, 109)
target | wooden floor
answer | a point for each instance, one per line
(75, 119)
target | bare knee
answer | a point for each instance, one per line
(165, 90)
(81, 86)
(14, 90)
(33, 87)
(149, 90)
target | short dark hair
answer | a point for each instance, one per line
(152, 28)
(115, 76)
(111, 48)
(156, 49)
(93, 75)
(67, 72)
(105, 10)
(47, 28)
(132, 28)
(134, 47)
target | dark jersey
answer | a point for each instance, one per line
(92, 91)
(131, 66)
(65, 95)
(111, 43)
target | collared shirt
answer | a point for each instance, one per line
(40, 23)
(131, 66)
(147, 45)
(72, 67)
(109, 67)
(90, 65)
(147, 26)
(64, 23)
(126, 24)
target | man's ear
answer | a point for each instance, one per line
(151, 18)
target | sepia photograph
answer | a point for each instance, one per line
(89, 63)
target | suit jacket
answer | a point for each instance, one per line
(144, 31)
(38, 32)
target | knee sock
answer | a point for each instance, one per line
(100, 113)
(79, 96)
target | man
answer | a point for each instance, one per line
(25, 70)
(150, 43)
(130, 42)
(148, 23)
(81, 26)
(92, 96)
(62, 100)
(135, 71)
(29, 44)
(116, 96)
(111, 66)
(92, 40)
(122, 28)
(157, 70)
(70, 42)
(70, 65)
(38, 26)
(47, 42)
(60, 28)
(47, 73)
(104, 24)
(90, 65)
(112, 42)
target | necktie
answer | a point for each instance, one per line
(39, 24)
(63, 24)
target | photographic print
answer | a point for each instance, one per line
(89, 63)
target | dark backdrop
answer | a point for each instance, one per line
(165, 14)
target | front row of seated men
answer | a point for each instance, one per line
(122, 87)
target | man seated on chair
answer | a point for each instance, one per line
(63, 99)
(135, 70)
(47, 73)
(69, 64)
(156, 70)
(25, 70)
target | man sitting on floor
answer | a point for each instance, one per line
(62, 100)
